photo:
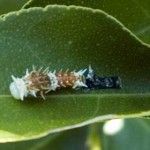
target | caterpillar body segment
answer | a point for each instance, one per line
(42, 82)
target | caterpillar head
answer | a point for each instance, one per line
(18, 88)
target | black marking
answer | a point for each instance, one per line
(104, 82)
(95, 82)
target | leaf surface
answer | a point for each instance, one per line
(70, 37)
(134, 14)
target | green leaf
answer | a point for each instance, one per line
(133, 14)
(69, 37)
(10, 5)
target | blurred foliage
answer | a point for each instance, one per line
(7, 6)
(134, 136)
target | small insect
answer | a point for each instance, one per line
(40, 82)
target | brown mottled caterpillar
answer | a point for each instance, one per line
(42, 82)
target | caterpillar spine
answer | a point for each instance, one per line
(42, 82)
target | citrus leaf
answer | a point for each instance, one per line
(133, 14)
(69, 37)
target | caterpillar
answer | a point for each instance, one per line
(43, 81)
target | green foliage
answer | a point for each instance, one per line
(7, 6)
(70, 37)
(60, 36)
(133, 14)
(134, 136)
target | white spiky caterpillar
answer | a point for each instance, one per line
(42, 82)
